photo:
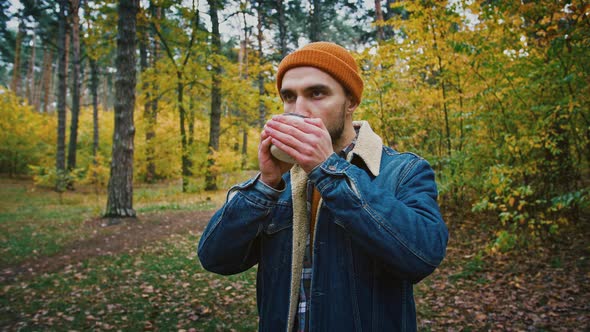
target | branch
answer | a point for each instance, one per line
(193, 36)
(168, 51)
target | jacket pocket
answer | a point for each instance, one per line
(277, 238)
(282, 218)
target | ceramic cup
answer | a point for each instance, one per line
(280, 154)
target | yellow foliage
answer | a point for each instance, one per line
(511, 201)
(26, 137)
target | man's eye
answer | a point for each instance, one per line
(317, 94)
(288, 97)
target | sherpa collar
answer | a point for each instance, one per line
(369, 148)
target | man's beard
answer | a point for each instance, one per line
(337, 129)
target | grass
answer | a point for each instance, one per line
(163, 287)
(472, 268)
(158, 287)
(40, 222)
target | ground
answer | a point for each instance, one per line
(542, 287)
(123, 235)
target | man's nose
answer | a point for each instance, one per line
(301, 107)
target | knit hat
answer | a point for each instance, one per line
(330, 58)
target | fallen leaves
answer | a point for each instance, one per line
(544, 287)
(162, 287)
(157, 288)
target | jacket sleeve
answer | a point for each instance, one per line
(229, 243)
(396, 219)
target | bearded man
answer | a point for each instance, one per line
(340, 225)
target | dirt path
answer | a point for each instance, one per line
(128, 235)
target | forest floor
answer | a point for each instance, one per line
(126, 235)
(545, 287)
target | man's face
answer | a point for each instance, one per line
(311, 92)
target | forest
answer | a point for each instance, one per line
(126, 101)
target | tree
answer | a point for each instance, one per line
(315, 26)
(151, 106)
(45, 86)
(36, 23)
(94, 93)
(143, 63)
(120, 188)
(62, 51)
(214, 129)
(379, 20)
(260, 36)
(282, 26)
(46, 31)
(340, 29)
(15, 84)
(73, 142)
(186, 117)
(30, 81)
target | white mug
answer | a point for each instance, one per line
(280, 154)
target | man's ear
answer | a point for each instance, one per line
(351, 104)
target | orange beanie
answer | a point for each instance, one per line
(330, 58)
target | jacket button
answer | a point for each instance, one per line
(332, 167)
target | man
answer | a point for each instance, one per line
(340, 236)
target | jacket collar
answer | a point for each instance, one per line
(368, 147)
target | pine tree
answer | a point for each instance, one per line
(120, 188)
(60, 163)
(214, 131)
(76, 83)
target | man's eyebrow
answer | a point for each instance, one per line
(314, 87)
(283, 91)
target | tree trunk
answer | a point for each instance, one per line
(183, 136)
(120, 200)
(214, 131)
(30, 83)
(60, 160)
(94, 92)
(73, 143)
(261, 108)
(244, 146)
(282, 28)
(151, 113)
(143, 62)
(44, 87)
(185, 142)
(379, 20)
(16, 81)
(191, 134)
(244, 76)
(48, 85)
(315, 27)
(38, 86)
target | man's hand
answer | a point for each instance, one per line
(271, 169)
(306, 140)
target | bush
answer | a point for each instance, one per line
(26, 136)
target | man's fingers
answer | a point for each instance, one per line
(284, 133)
(285, 129)
(316, 122)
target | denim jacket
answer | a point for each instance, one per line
(378, 231)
